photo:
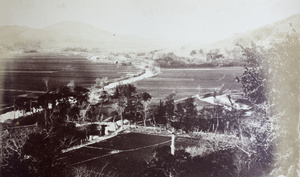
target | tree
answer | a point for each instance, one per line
(31, 152)
(190, 113)
(254, 77)
(131, 111)
(158, 113)
(121, 105)
(46, 82)
(258, 128)
(169, 107)
(47, 102)
(81, 94)
(42, 151)
(214, 55)
(125, 95)
(126, 90)
(179, 112)
(144, 98)
(12, 159)
(193, 52)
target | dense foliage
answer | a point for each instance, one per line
(38, 156)
(269, 81)
(163, 163)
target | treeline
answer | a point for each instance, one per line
(75, 49)
(202, 58)
(137, 108)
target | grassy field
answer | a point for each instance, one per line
(133, 149)
(22, 74)
(190, 81)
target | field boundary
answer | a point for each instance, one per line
(121, 151)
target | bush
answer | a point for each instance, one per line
(217, 164)
(164, 163)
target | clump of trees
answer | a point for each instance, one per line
(185, 116)
(31, 152)
(34, 147)
(170, 60)
(201, 58)
(132, 105)
(62, 105)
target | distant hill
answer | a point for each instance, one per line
(76, 34)
(264, 35)
(67, 34)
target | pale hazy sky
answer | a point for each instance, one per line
(183, 20)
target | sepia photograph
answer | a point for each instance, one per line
(150, 88)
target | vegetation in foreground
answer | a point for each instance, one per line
(256, 151)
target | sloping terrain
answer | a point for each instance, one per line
(265, 34)
(66, 34)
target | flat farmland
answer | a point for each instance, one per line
(132, 150)
(190, 81)
(25, 74)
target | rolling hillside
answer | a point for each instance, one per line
(265, 34)
(66, 34)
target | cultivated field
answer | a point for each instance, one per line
(124, 154)
(190, 81)
(25, 74)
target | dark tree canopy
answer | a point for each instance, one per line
(126, 90)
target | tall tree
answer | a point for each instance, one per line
(122, 102)
(144, 99)
(169, 107)
(46, 82)
(124, 93)
(158, 113)
(190, 113)
(254, 76)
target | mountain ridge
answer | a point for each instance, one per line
(79, 34)
(67, 34)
